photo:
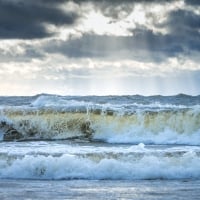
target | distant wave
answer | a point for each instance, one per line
(47, 99)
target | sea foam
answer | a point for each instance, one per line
(185, 166)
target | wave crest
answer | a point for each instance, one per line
(155, 127)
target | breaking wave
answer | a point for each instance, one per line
(180, 126)
(113, 119)
(92, 128)
(126, 166)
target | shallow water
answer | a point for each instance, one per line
(104, 189)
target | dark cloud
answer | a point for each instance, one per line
(122, 1)
(118, 9)
(114, 2)
(183, 36)
(144, 45)
(184, 20)
(184, 29)
(193, 2)
(26, 19)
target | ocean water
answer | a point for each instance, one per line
(100, 147)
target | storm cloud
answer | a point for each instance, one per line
(143, 45)
(182, 35)
(67, 43)
(27, 19)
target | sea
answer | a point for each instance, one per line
(100, 147)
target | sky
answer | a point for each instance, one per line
(99, 47)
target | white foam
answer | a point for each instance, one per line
(73, 167)
(136, 136)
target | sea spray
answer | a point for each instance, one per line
(181, 126)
